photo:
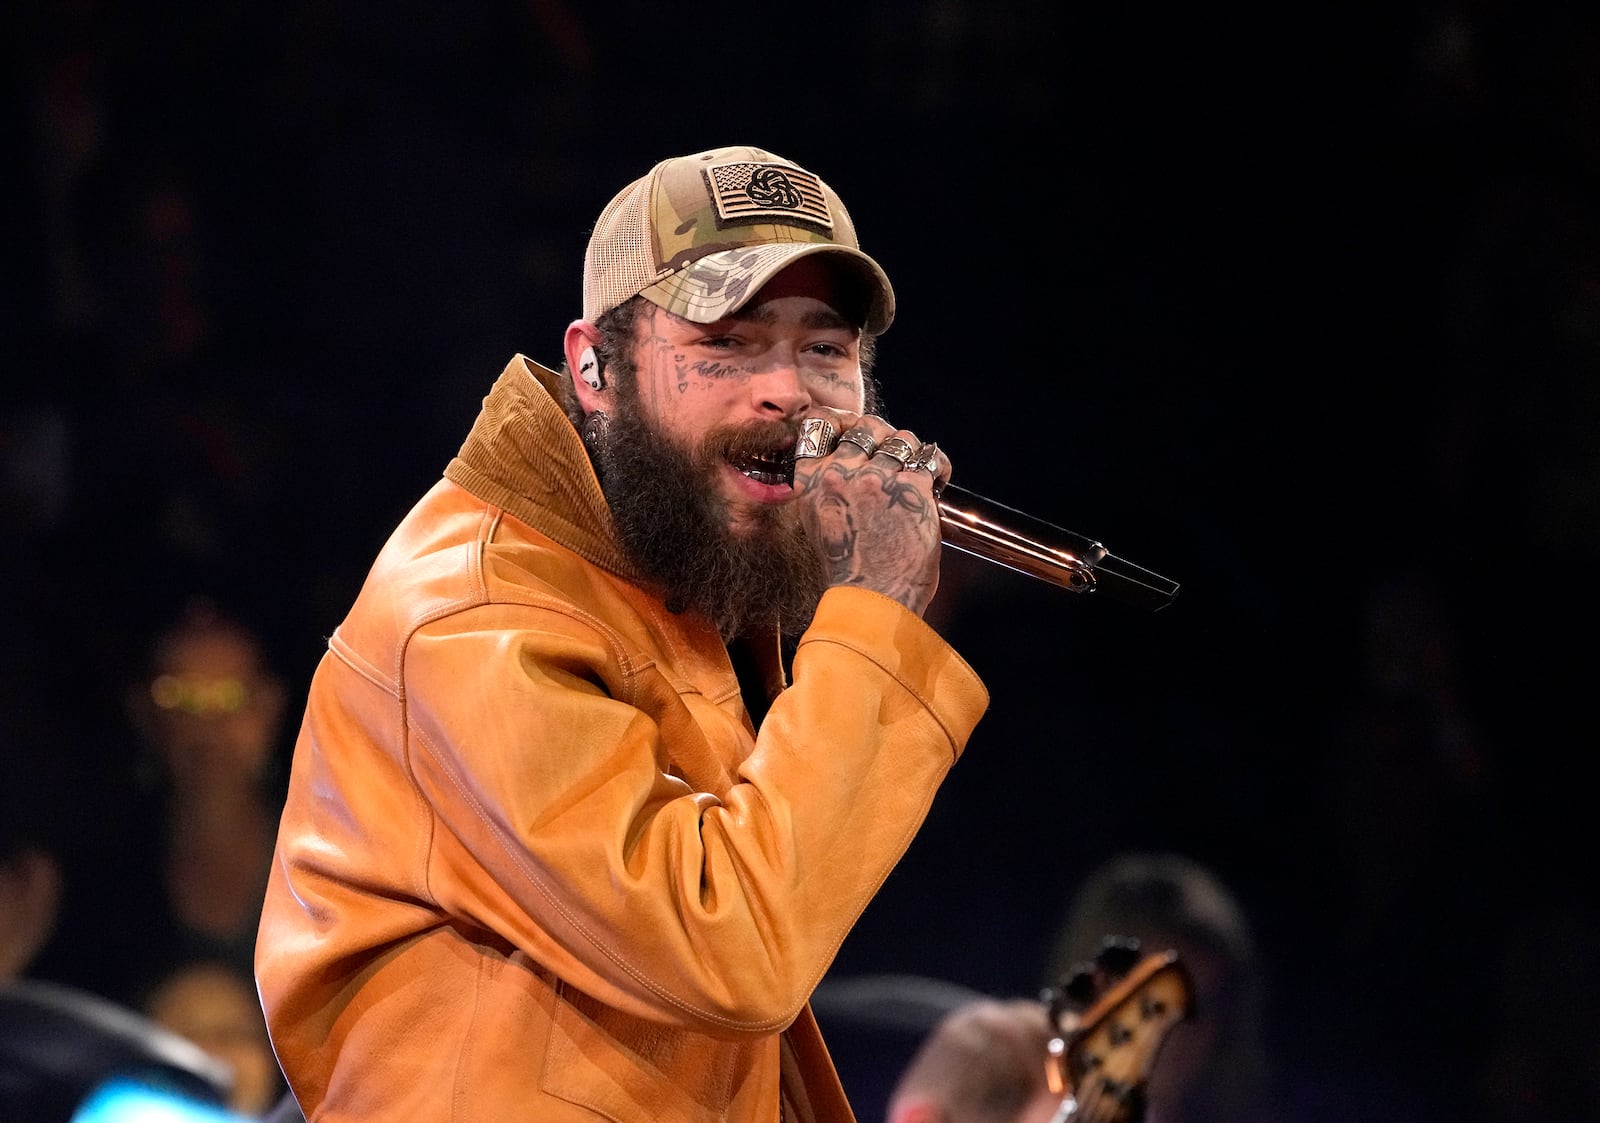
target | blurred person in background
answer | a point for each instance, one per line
(983, 1063)
(214, 1005)
(209, 715)
(1214, 1065)
(33, 842)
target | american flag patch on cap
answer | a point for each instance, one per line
(748, 192)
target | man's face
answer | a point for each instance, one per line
(698, 459)
(737, 389)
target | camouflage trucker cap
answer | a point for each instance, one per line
(700, 234)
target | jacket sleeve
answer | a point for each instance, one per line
(561, 827)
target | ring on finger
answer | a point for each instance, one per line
(899, 449)
(817, 438)
(860, 438)
(927, 458)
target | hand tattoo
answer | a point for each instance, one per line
(874, 528)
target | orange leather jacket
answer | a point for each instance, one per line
(536, 863)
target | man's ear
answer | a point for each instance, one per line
(582, 346)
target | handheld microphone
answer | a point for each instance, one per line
(1007, 537)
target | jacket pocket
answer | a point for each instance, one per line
(634, 1071)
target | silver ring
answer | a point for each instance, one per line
(897, 448)
(926, 457)
(817, 438)
(860, 438)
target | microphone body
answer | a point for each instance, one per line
(1008, 537)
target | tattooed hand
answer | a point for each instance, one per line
(874, 523)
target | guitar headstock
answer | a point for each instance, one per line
(1110, 1019)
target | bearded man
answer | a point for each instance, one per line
(636, 708)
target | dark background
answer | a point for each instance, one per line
(1298, 305)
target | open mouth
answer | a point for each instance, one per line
(774, 467)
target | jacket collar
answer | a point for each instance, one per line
(523, 455)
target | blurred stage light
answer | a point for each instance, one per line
(123, 1099)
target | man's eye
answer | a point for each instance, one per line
(830, 350)
(720, 342)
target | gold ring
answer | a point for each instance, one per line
(897, 448)
(860, 438)
(817, 438)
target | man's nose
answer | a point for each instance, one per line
(779, 390)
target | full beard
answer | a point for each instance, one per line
(673, 525)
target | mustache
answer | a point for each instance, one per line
(765, 439)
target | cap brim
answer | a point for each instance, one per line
(719, 284)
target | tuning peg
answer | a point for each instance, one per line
(1118, 955)
(1081, 987)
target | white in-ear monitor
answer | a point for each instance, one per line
(589, 369)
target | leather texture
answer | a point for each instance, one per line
(536, 863)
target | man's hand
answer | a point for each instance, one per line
(869, 505)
